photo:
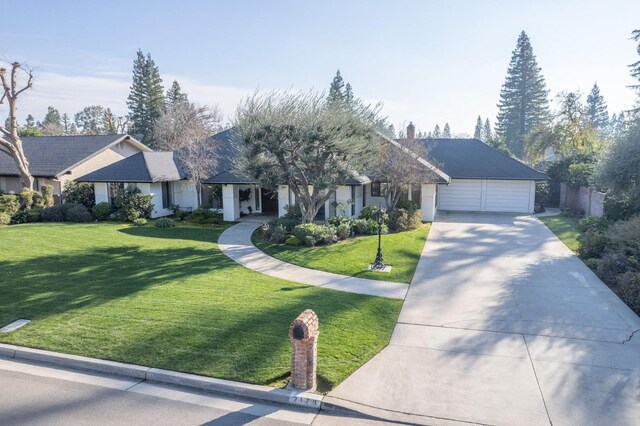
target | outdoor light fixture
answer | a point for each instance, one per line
(378, 264)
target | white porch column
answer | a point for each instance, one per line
(283, 199)
(230, 203)
(428, 202)
(343, 195)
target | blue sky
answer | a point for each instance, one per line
(428, 62)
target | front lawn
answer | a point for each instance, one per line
(565, 228)
(169, 298)
(352, 257)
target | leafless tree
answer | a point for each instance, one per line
(186, 129)
(184, 123)
(402, 164)
(10, 142)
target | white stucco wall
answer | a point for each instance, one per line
(428, 201)
(373, 201)
(285, 197)
(231, 208)
(185, 194)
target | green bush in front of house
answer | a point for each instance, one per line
(79, 214)
(5, 219)
(401, 220)
(9, 204)
(102, 211)
(164, 222)
(79, 193)
(131, 204)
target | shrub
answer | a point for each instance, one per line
(102, 211)
(630, 283)
(78, 214)
(140, 222)
(277, 234)
(574, 213)
(594, 223)
(38, 200)
(204, 215)
(592, 263)
(368, 227)
(178, 213)
(405, 220)
(343, 230)
(542, 194)
(292, 241)
(338, 220)
(27, 216)
(371, 212)
(56, 213)
(313, 234)
(407, 205)
(5, 219)
(593, 243)
(9, 204)
(164, 222)
(47, 194)
(132, 204)
(611, 265)
(26, 196)
(287, 223)
(293, 212)
(79, 193)
(625, 237)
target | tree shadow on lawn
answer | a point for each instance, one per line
(48, 285)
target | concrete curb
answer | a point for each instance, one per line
(193, 381)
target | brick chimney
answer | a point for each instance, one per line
(411, 131)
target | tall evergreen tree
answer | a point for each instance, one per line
(597, 113)
(486, 131)
(175, 95)
(446, 132)
(477, 133)
(30, 121)
(336, 89)
(635, 69)
(523, 102)
(436, 132)
(52, 117)
(146, 99)
(67, 125)
(348, 93)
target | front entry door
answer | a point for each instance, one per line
(269, 201)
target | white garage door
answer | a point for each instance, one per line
(486, 195)
(507, 196)
(461, 194)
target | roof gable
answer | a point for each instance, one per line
(52, 156)
(144, 167)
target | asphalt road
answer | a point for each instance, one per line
(36, 394)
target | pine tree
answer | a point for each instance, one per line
(477, 133)
(486, 131)
(635, 67)
(348, 93)
(52, 117)
(31, 122)
(336, 89)
(66, 124)
(446, 133)
(597, 113)
(436, 132)
(146, 99)
(523, 99)
(175, 95)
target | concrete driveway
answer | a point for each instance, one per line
(503, 325)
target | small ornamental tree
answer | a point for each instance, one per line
(305, 142)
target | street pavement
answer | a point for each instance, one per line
(37, 394)
(504, 325)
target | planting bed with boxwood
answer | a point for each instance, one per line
(348, 246)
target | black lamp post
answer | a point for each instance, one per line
(378, 264)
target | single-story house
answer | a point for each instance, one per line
(157, 173)
(54, 160)
(469, 176)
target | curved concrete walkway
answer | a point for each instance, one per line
(235, 242)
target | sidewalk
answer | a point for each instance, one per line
(235, 242)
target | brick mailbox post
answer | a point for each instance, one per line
(303, 333)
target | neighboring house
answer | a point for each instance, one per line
(54, 160)
(469, 176)
(156, 173)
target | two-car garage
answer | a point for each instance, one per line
(487, 195)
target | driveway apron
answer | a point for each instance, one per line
(504, 325)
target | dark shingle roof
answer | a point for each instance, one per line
(474, 159)
(50, 156)
(144, 167)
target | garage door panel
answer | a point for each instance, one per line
(507, 196)
(465, 195)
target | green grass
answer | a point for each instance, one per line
(169, 298)
(565, 228)
(352, 257)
